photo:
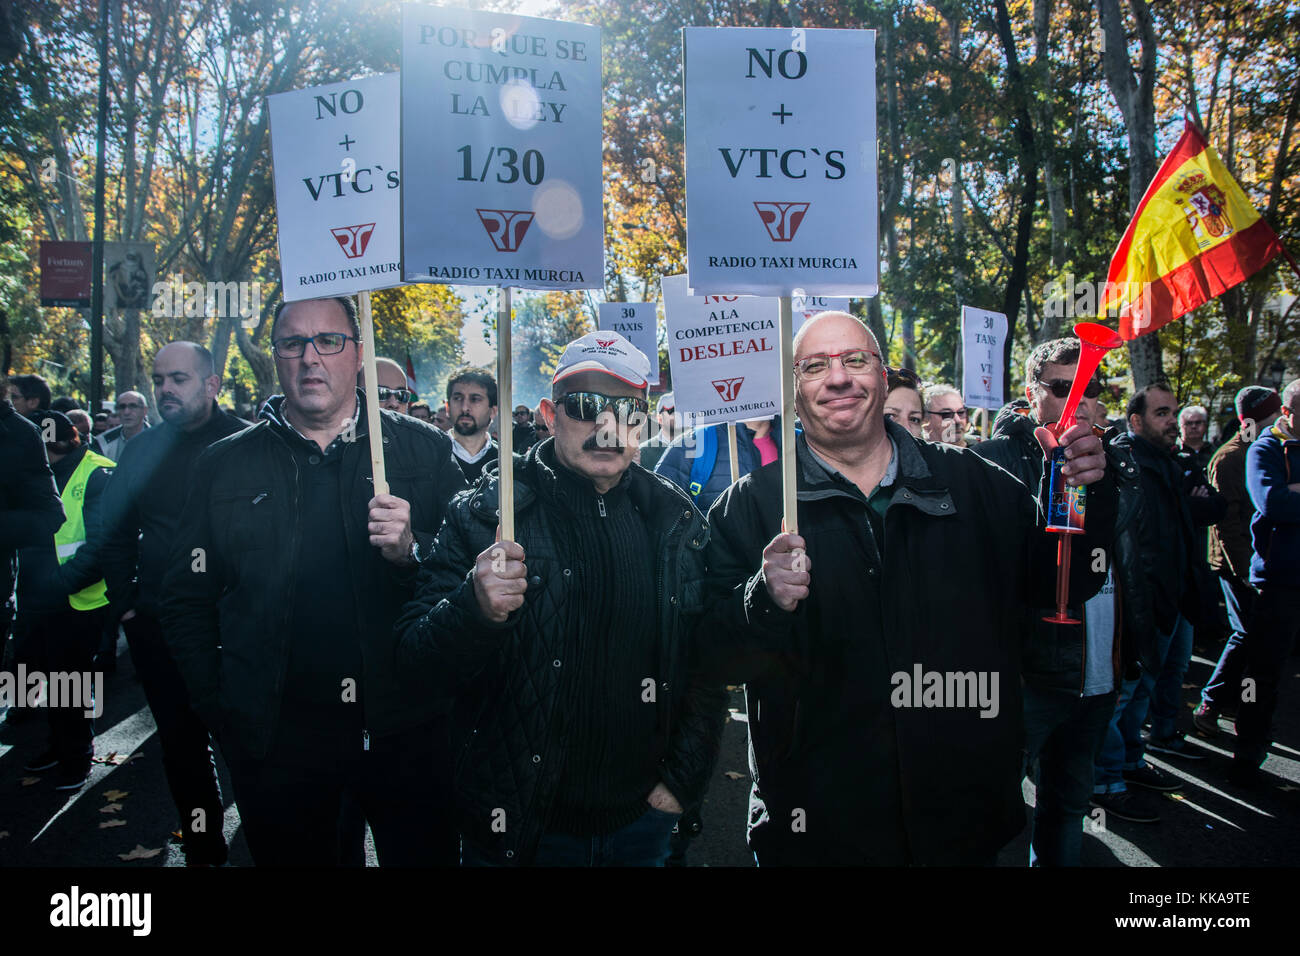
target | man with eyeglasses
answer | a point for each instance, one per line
(885, 725)
(471, 407)
(1193, 421)
(132, 410)
(286, 577)
(654, 447)
(945, 415)
(393, 393)
(582, 729)
(1073, 673)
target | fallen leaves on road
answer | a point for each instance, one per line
(116, 759)
(112, 796)
(28, 781)
(140, 853)
(111, 808)
(119, 822)
(734, 775)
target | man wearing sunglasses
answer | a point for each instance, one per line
(841, 643)
(393, 393)
(286, 577)
(581, 728)
(1073, 673)
(945, 415)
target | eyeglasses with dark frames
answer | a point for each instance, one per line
(588, 406)
(325, 343)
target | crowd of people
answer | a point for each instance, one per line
(557, 696)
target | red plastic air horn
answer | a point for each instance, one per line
(1065, 510)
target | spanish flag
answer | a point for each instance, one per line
(1194, 236)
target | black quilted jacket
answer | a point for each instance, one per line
(502, 676)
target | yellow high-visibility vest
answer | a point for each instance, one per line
(72, 535)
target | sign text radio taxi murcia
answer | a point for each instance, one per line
(337, 181)
(501, 127)
(781, 161)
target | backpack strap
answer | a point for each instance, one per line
(705, 458)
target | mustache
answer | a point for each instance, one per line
(599, 442)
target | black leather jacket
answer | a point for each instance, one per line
(1054, 654)
(509, 757)
(226, 619)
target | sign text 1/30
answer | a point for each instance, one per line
(534, 167)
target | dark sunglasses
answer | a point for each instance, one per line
(588, 406)
(1060, 387)
(403, 395)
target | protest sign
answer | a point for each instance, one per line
(638, 323)
(337, 186)
(501, 145)
(723, 354)
(983, 334)
(781, 191)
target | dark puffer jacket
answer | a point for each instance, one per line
(1054, 655)
(509, 756)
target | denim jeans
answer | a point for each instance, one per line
(1063, 735)
(1166, 690)
(1121, 747)
(1223, 690)
(643, 842)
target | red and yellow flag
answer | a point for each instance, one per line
(1194, 236)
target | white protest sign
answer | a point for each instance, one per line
(722, 352)
(982, 335)
(337, 182)
(781, 191)
(638, 323)
(501, 135)
(804, 307)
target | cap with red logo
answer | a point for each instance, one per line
(607, 352)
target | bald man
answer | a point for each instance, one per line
(885, 726)
(393, 393)
(133, 412)
(143, 507)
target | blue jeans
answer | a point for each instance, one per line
(646, 841)
(1223, 690)
(1121, 747)
(1063, 735)
(1166, 690)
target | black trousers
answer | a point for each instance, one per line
(1273, 632)
(64, 643)
(303, 803)
(186, 744)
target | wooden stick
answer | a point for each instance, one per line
(733, 451)
(374, 425)
(505, 418)
(788, 486)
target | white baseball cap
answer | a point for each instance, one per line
(607, 352)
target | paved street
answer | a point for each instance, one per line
(1210, 823)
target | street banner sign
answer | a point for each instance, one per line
(66, 271)
(502, 150)
(781, 194)
(982, 335)
(722, 352)
(337, 185)
(638, 323)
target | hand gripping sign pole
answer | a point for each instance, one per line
(1065, 503)
(374, 428)
(505, 406)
